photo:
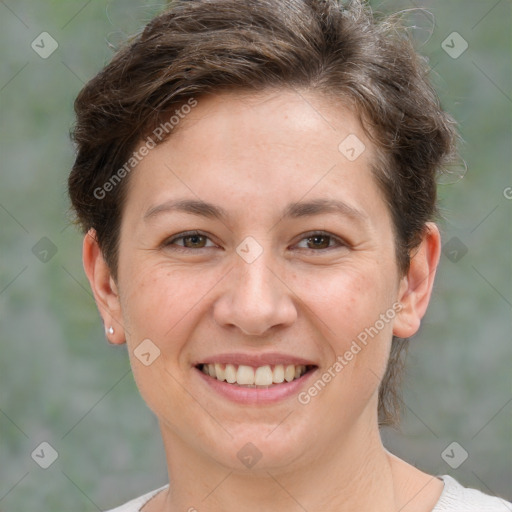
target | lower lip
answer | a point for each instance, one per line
(243, 395)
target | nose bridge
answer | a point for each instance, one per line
(255, 299)
(256, 282)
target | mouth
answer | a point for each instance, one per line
(263, 377)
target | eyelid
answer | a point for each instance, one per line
(169, 241)
(340, 241)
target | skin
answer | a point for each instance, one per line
(253, 154)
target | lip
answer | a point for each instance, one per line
(256, 396)
(255, 360)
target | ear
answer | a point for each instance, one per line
(104, 288)
(416, 286)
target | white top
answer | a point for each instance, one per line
(454, 498)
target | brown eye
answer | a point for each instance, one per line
(189, 240)
(194, 241)
(318, 242)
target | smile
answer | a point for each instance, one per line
(254, 377)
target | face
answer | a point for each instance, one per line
(251, 241)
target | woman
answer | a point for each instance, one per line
(256, 181)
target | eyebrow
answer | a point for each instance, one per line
(293, 210)
(195, 207)
(319, 206)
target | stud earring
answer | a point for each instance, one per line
(110, 330)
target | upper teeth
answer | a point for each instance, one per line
(249, 376)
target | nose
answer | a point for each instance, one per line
(255, 299)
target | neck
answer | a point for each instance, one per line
(352, 473)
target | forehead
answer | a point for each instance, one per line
(271, 117)
(266, 148)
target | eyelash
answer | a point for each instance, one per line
(169, 242)
(181, 236)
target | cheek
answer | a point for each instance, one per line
(159, 305)
(351, 308)
(348, 300)
(157, 301)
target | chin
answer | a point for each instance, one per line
(261, 446)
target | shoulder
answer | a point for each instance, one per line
(456, 498)
(136, 504)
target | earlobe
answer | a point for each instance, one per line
(416, 286)
(104, 288)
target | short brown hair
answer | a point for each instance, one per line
(338, 49)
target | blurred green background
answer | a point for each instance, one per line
(61, 382)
